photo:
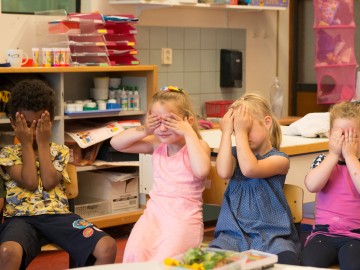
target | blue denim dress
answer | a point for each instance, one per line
(255, 214)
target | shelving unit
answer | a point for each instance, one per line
(159, 4)
(75, 83)
(142, 5)
(335, 60)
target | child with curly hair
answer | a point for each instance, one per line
(34, 171)
(335, 177)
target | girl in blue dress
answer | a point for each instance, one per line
(254, 213)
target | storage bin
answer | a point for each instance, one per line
(330, 12)
(217, 108)
(119, 190)
(87, 207)
(335, 83)
(335, 46)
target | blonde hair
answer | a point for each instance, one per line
(181, 100)
(260, 108)
(345, 109)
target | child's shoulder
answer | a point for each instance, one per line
(275, 152)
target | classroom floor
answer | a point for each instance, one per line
(59, 260)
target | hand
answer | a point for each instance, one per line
(227, 122)
(243, 120)
(336, 141)
(350, 146)
(24, 133)
(177, 124)
(152, 122)
(43, 128)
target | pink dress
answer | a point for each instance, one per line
(172, 221)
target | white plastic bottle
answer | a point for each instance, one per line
(276, 99)
(136, 100)
(124, 100)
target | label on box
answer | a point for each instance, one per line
(124, 202)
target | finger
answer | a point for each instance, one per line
(350, 135)
(33, 125)
(355, 134)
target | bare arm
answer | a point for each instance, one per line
(2, 201)
(25, 175)
(50, 177)
(199, 155)
(317, 177)
(225, 162)
(350, 151)
(138, 139)
(250, 166)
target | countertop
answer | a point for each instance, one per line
(291, 145)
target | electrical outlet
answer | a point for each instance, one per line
(166, 56)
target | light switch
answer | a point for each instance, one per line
(166, 56)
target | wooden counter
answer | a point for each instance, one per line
(291, 145)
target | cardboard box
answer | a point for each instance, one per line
(121, 190)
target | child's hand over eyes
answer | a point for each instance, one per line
(176, 123)
(23, 132)
(227, 122)
(243, 120)
(336, 141)
(350, 146)
(152, 122)
(43, 128)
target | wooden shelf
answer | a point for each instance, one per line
(104, 114)
(117, 219)
(140, 68)
(160, 4)
(107, 165)
(73, 83)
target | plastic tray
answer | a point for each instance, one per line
(248, 260)
(91, 207)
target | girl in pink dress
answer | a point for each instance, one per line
(335, 178)
(172, 221)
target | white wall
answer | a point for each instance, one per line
(262, 55)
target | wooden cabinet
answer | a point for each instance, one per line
(72, 83)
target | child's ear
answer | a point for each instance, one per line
(268, 121)
(190, 119)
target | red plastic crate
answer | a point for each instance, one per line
(217, 108)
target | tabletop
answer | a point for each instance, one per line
(291, 145)
(160, 266)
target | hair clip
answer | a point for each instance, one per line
(172, 89)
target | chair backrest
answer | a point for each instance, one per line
(214, 188)
(295, 196)
(72, 189)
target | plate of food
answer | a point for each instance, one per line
(219, 259)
